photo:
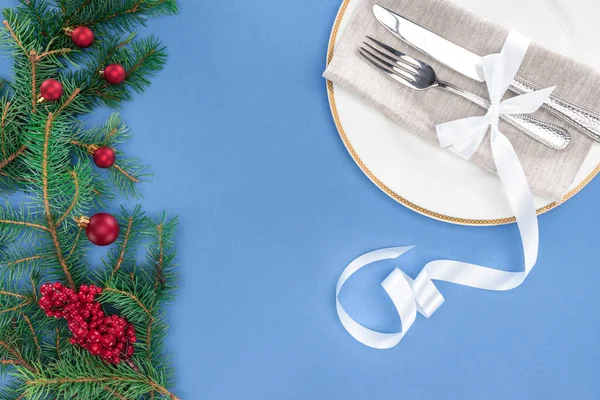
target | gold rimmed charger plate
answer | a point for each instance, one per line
(590, 169)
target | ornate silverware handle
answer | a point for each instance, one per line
(585, 120)
(551, 135)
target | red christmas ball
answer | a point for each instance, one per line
(114, 74)
(83, 37)
(103, 229)
(51, 90)
(104, 157)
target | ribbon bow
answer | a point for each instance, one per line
(464, 137)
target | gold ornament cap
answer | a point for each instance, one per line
(83, 222)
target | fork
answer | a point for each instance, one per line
(421, 76)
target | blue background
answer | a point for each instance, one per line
(243, 148)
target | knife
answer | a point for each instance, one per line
(466, 63)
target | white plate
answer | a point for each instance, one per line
(431, 180)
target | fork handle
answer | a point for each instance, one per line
(585, 120)
(550, 135)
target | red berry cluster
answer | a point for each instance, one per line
(110, 338)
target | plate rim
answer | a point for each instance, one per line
(398, 198)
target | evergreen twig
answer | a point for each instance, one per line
(45, 154)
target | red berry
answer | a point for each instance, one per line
(46, 302)
(95, 348)
(46, 288)
(94, 336)
(108, 340)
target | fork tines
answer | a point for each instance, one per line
(392, 62)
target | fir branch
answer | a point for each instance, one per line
(3, 127)
(83, 4)
(24, 260)
(18, 358)
(69, 100)
(74, 202)
(17, 223)
(159, 264)
(15, 308)
(163, 391)
(123, 246)
(159, 281)
(110, 134)
(115, 393)
(57, 343)
(35, 338)
(20, 296)
(33, 59)
(122, 15)
(132, 297)
(38, 10)
(33, 286)
(112, 51)
(15, 37)
(49, 217)
(22, 223)
(56, 52)
(12, 157)
(43, 153)
(75, 243)
(20, 262)
(126, 174)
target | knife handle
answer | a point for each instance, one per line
(550, 135)
(585, 120)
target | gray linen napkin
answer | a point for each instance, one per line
(549, 172)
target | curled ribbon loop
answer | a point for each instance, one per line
(463, 137)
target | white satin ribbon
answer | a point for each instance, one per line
(463, 137)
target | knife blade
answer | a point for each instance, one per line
(443, 50)
(468, 64)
